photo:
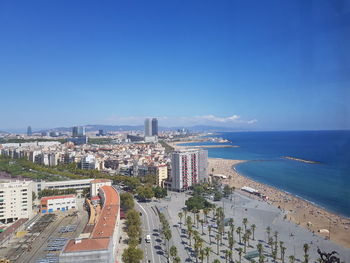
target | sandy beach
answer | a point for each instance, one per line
(297, 210)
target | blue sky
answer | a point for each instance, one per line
(257, 65)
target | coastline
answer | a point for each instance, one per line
(297, 210)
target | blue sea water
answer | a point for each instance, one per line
(327, 184)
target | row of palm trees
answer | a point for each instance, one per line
(245, 234)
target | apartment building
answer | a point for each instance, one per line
(188, 167)
(15, 200)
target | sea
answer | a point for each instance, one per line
(325, 183)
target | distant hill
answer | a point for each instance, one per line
(107, 128)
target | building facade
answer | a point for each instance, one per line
(96, 184)
(148, 127)
(50, 204)
(15, 200)
(188, 167)
(154, 127)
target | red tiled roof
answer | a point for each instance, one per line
(100, 181)
(87, 244)
(104, 228)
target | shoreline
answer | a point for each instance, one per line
(297, 210)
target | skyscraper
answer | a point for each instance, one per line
(29, 131)
(154, 127)
(188, 167)
(78, 131)
(148, 127)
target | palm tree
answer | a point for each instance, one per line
(248, 233)
(180, 215)
(189, 232)
(306, 256)
(291, 259)
(271, 244)
(197, 219)
(207, 253)
(259, 247)
(283, 252)
(217, 242)
(202, 224)
(167, 235)
(230, 253)
(231, 242)
(245, 222)
(201, 255)
(205, 212)
(245, 239)
(274, 255)
(275, 235)
(261, 259)
(240, 251)
(253, 227)
(239, 232)
(268, 231)
(189, 221)
(209, 229)
(226, 255)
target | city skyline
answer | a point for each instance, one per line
(253, 66)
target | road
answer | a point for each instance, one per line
(153, 251)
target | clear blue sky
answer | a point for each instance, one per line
(261, 65)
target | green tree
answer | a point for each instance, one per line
(217, 196)
(207, 253)
(227, 190)
(173, 252)
(159, 192)
(259, 247)
(127, 201)
(291, 259)
(217, 238)
(144, 192)
(177, 260)
(132, 255)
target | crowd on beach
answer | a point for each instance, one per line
(296, 210)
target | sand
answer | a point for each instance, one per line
(297, 210)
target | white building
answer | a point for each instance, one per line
(50, 204)
(88, 162)
(189, 166)
(63, 185)
(15, 200)
(96, 184)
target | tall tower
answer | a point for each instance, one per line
(148, 127)
(29, 131)
(154, 127)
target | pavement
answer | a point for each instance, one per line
(257, 212)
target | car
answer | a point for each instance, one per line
(148, 238)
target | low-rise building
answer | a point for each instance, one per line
(50, 204)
